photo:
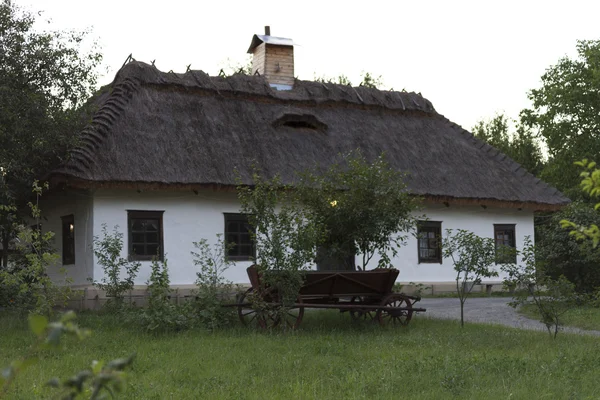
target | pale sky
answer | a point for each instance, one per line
(471, 59)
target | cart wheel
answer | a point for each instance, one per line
(247, 314)
(401, 316)
(367, 315)
(292, 318)
(268, 319)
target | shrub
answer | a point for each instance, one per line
(563, 254)
(26, 281)
(119, 273)
(160, 314)
(552, 296)
(213, 288)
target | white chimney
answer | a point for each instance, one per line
(273, 58)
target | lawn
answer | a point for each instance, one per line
(579, 317)
(329, 357)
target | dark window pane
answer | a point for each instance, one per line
(429, 233)
(137, 237)
(152, 237)
(238, 233)
(152, 250)
(139, 249)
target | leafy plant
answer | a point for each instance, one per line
(213, 288)
(119, 273)
(473, 257)
(94, 383)
(160, 314)
(363, 208)
(285, 238)
(46, 77)
(552, 297)
(26, 280)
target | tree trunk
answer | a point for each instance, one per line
(4, 253)
(462, 314)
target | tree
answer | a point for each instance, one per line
(521, 146)
(473, 257)
(529, 279)
(45, 78)
(563, 254)
(364, 207)
(566, 113)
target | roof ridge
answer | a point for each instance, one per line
(93, 134)
(501, 157)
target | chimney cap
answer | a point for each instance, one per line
(257, 40)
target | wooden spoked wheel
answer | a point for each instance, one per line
(399, 316)
(249, 316)
(361, 314)
(291, 319)
(268, 318)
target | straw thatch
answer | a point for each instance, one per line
(167, 130)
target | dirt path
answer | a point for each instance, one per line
(491, 310)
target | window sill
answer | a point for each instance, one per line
(429, 262)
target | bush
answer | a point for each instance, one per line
(26, 284)
(564, 255)
(161, 314)
(552, 297)
(213, 289)
(119, 273)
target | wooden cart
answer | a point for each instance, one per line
(363, 294)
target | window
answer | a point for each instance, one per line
(145, 235)
(68, 239)
(504, 236)
(238, 232)
(429, 235)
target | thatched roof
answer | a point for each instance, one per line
(167, 130)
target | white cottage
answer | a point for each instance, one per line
(159, 159)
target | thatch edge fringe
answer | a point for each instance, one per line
(509, 162)
(94, 133)
(65, 180)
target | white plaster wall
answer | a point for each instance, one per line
(55, 205)
(473, 218)
(189, 217)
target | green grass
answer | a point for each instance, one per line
(328, 358)
(580, 317)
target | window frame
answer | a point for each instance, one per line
(513, 244)
(430, 225)
(145, 214)
(67, 239)
(238, 217)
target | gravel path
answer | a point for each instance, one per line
(491, 310)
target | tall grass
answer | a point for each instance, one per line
(329, 357)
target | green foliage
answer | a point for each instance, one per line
(285, 239)
(552, 297)
(562, 253)
(367, 79)
(119, 273)
(101, 379)
(26, 284)
(160, 314)
(566, 113)
(521, 145)
(213, 288)
(364, 208)
(45, 77)
(473, 258)
(371, 81)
